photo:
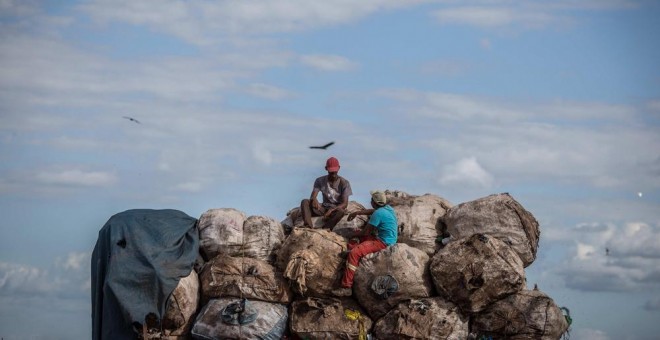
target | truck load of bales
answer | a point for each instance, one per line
(456, 272)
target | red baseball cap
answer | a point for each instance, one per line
(332, 164)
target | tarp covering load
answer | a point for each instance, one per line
(499, 216)
(139, 258)
(227, 231)
(180, 313)
(311, 259)
(476, 272)
(387, 277)
(319, 318)
(226, 276)
(528, 314)
(418, 219)
(430, 318)
(232, 318)
(344, 227)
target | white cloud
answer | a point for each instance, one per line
(76, 177)
(608, 257)
(204, 22)
(328, 62)
(268, 91)
(466, 171)
(69, 278)
(526, 15)
(74, 261)
(23, 279)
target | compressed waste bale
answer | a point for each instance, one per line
(227, 231)
(343, 227)
(387, 277)
(254, 279)
(429, 318)
(418, 219)
(328, 318)
(498, 216)
(476, 272)
(182, 309)
(179, 315)
(528, 314)
(231, 318)
(311, 259)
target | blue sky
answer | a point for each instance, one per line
(556, 102)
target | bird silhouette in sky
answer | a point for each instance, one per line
(607, 251)
(132, 119)
(323, 147)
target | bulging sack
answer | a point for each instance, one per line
(227, 231)
(311, 260)
(498, 216)
(528, 314)
(254, 279)
(232, 318)
(344, 227)
(387, 277)
(418, 218)
(430, 318)
(328, 318)
(476, 272)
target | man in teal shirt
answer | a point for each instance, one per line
(383, 221)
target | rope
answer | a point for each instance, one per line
(356, 315)
(567, 315)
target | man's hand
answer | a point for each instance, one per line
(328, 213)
(351, 216)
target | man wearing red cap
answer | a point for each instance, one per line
(335, 190)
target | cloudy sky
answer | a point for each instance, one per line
(556, 102)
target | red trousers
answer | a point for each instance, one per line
(367, 245)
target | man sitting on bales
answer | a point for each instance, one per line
(383, 223)
(335, 190)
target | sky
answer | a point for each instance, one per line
(555, 102)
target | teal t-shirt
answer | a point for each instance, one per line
(384, 219)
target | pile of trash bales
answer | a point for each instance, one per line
(457, 272)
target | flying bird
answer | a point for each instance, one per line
(322, 147)
(132, 119)
(607, 251)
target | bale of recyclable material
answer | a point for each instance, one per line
(528, 314)
(228, 231)
(477, 271)
(429, 318)
(328, 318)
(387, 277)
(232, 318)
(344, 227)
(418, 218)
(311, 260)
(254, 279)
(499, 216)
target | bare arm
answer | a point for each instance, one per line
(352, 215)
(313, 198)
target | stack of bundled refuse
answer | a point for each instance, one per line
(457, 272)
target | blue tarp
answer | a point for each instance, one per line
(138, 260)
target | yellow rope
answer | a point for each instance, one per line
(356, 315)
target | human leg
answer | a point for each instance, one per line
(334, 218)
(308, 212)
(362, 249)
